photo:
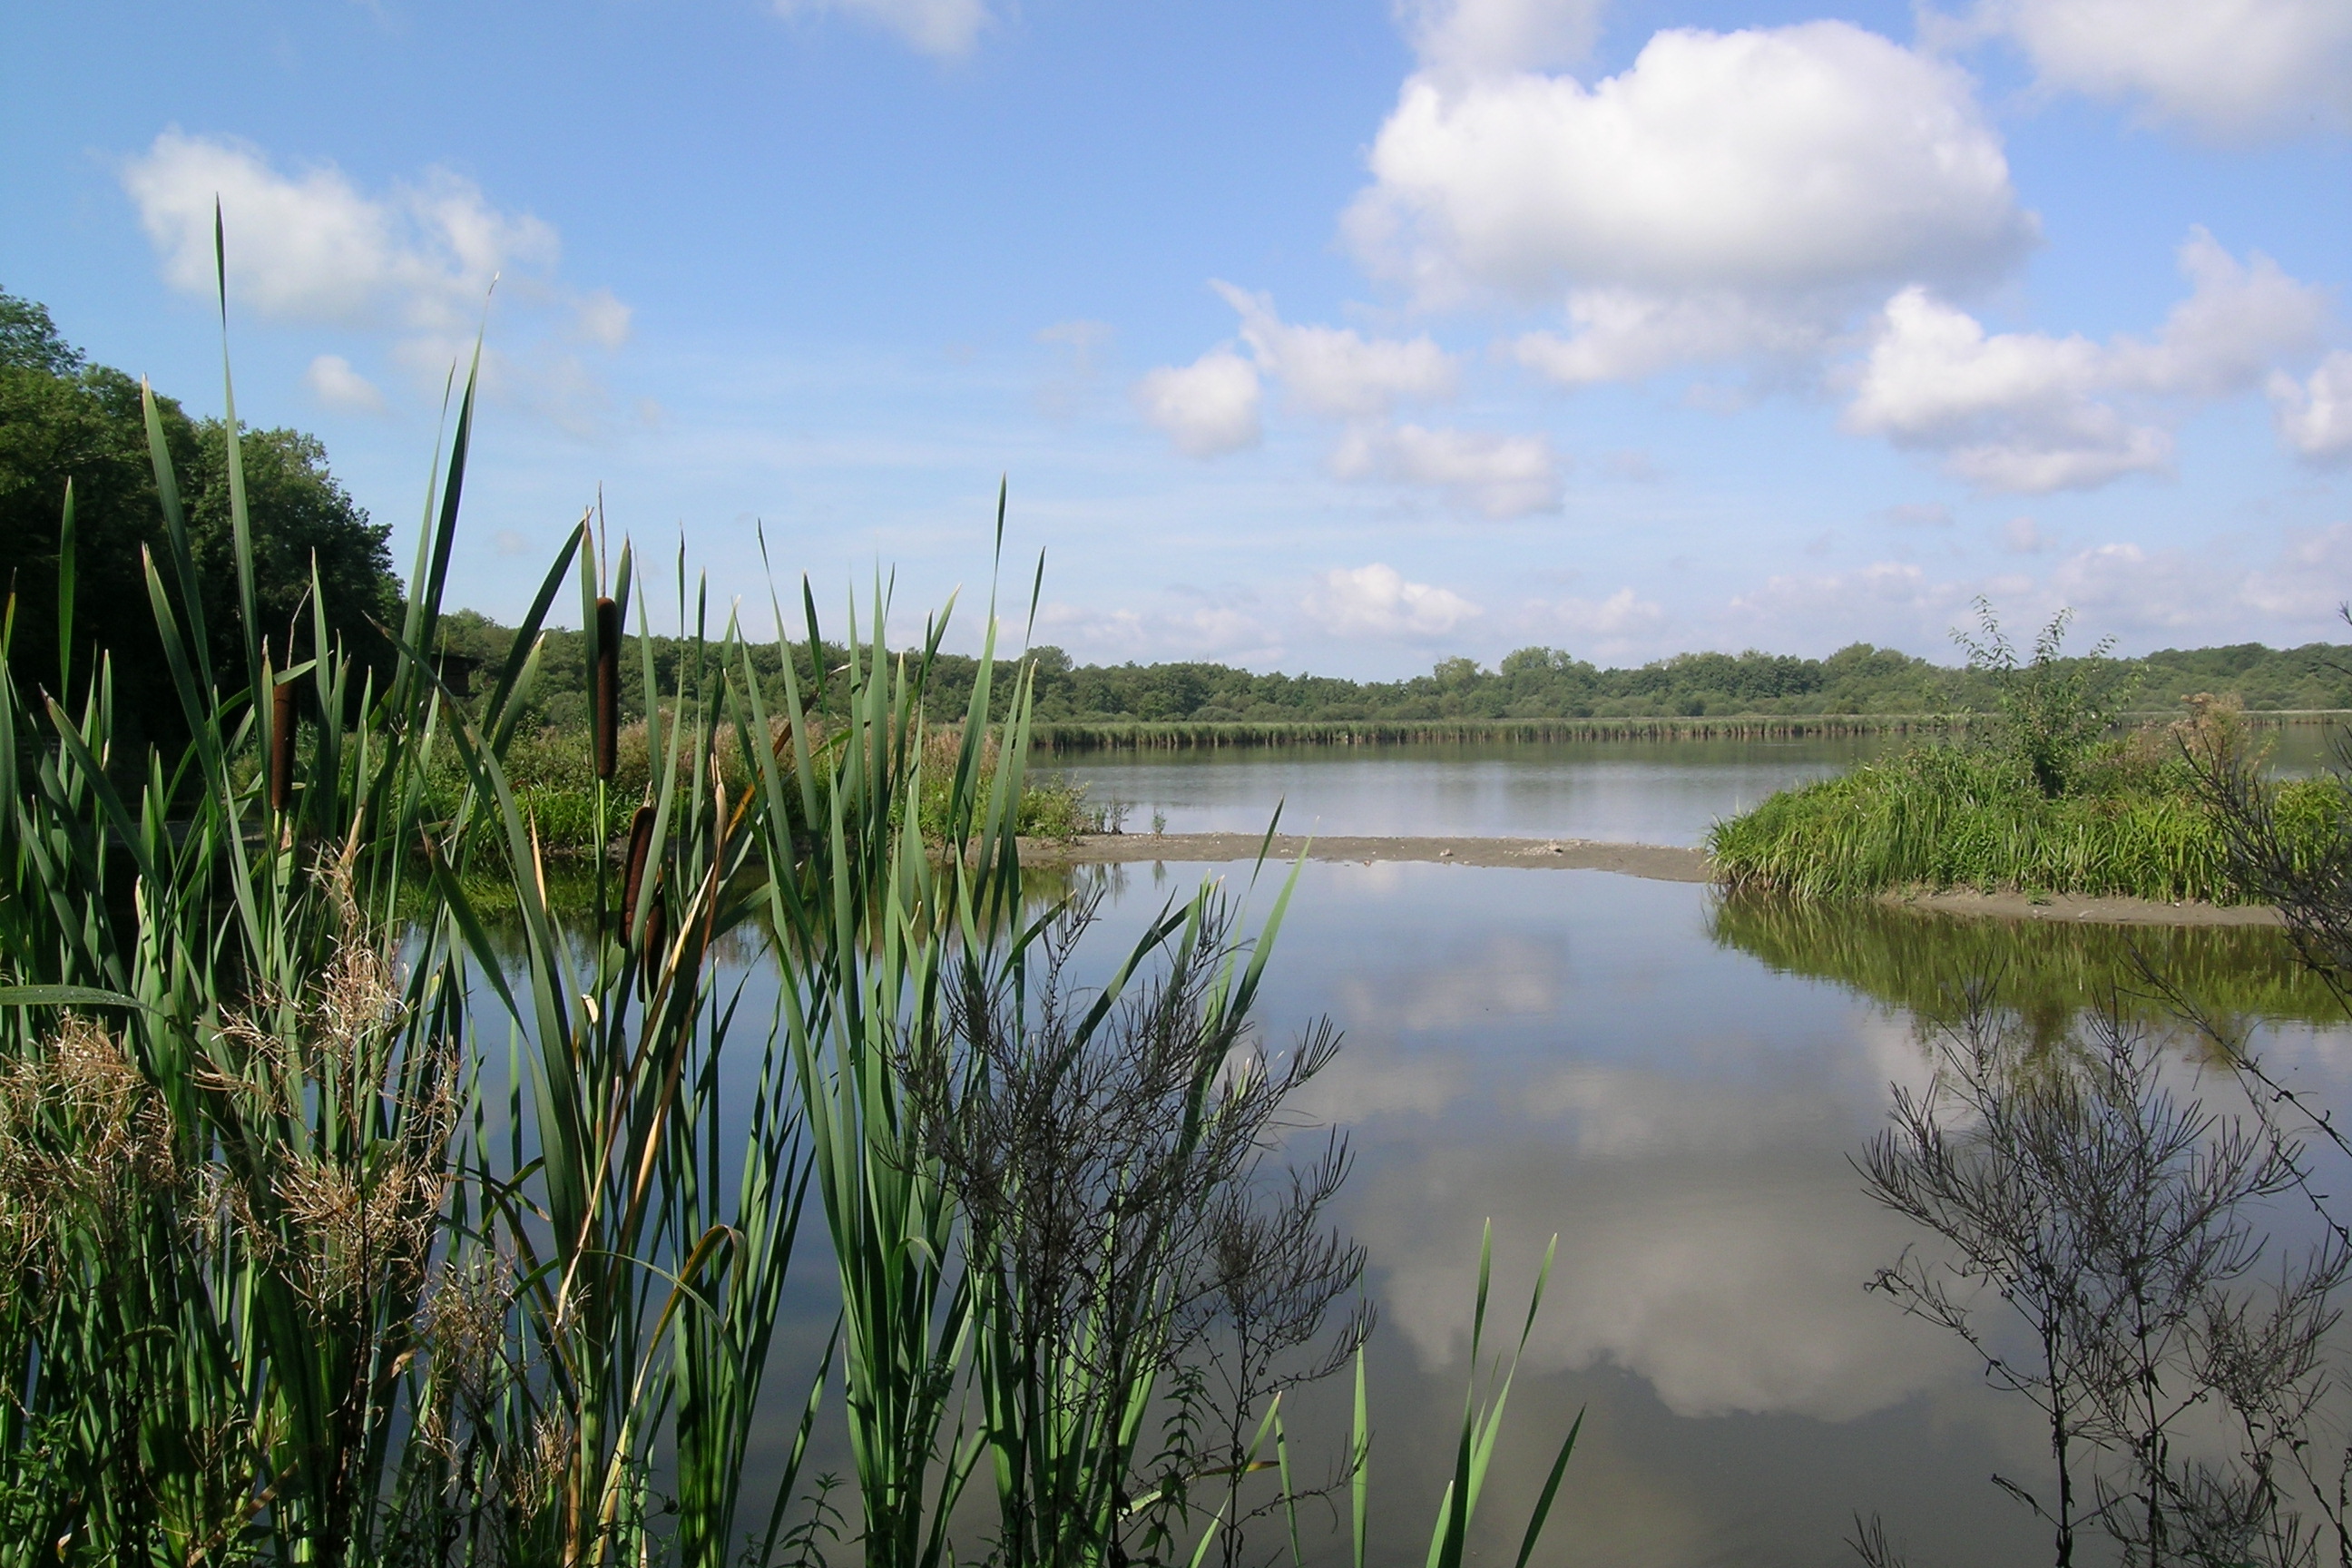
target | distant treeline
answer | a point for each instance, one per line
(1535, 694)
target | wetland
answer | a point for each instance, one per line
(1675, 1083)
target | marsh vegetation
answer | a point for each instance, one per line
(337, 1229)
(807, 1179)
(2049, 799)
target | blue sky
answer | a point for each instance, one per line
(1338, 337)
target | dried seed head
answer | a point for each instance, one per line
(461, 1327)
(85, 1141)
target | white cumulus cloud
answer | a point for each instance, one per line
(2011, 410)
(1336, 370)
(1727, 194)
(943, 27)
(334, 381)
(1624, 335)
(1206, 407)
(1501, 476)
(603, 319)
(2148, 593)
(314, 248)
(2315, 414)
(2023, 536)
(1376, 601)
(1484, 36)
(2029, 411)
(415, 261)
(2182, 593)
(2230, 69)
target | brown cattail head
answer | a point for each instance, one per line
(641, 850)
(281, 746)
(608, 687)
(657, 936)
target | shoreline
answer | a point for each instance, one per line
(1651, 862)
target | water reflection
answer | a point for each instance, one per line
(1923, 963)
(1675, 1088)
(1674, 1085)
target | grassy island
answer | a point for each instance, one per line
(2047, 797)
(1962, 816)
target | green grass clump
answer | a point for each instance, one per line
(1942, 816)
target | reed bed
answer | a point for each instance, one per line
(1207, 735)
(369, 1196)
(1077, 735)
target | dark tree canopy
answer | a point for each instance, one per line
(64, 418)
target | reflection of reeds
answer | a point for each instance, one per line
(1929, 964)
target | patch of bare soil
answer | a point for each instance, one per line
(1657, 862)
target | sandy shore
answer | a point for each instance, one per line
(1657, 862)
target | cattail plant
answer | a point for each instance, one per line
(641, 846)
(281, 746)
(310, 1286)
(607, 694)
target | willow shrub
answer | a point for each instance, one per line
(1974, 816)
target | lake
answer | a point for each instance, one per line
(1623, 791)
(1675, 1087)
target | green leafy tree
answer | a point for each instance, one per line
(65, 419)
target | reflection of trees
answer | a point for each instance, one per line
(2048, 972)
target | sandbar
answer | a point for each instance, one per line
(1654, 862)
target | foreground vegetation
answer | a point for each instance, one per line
(551, 772)
(335, 1231)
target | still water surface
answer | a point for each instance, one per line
(1625, 792)
(1675, 1089)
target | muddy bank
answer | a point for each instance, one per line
(1657, 862)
